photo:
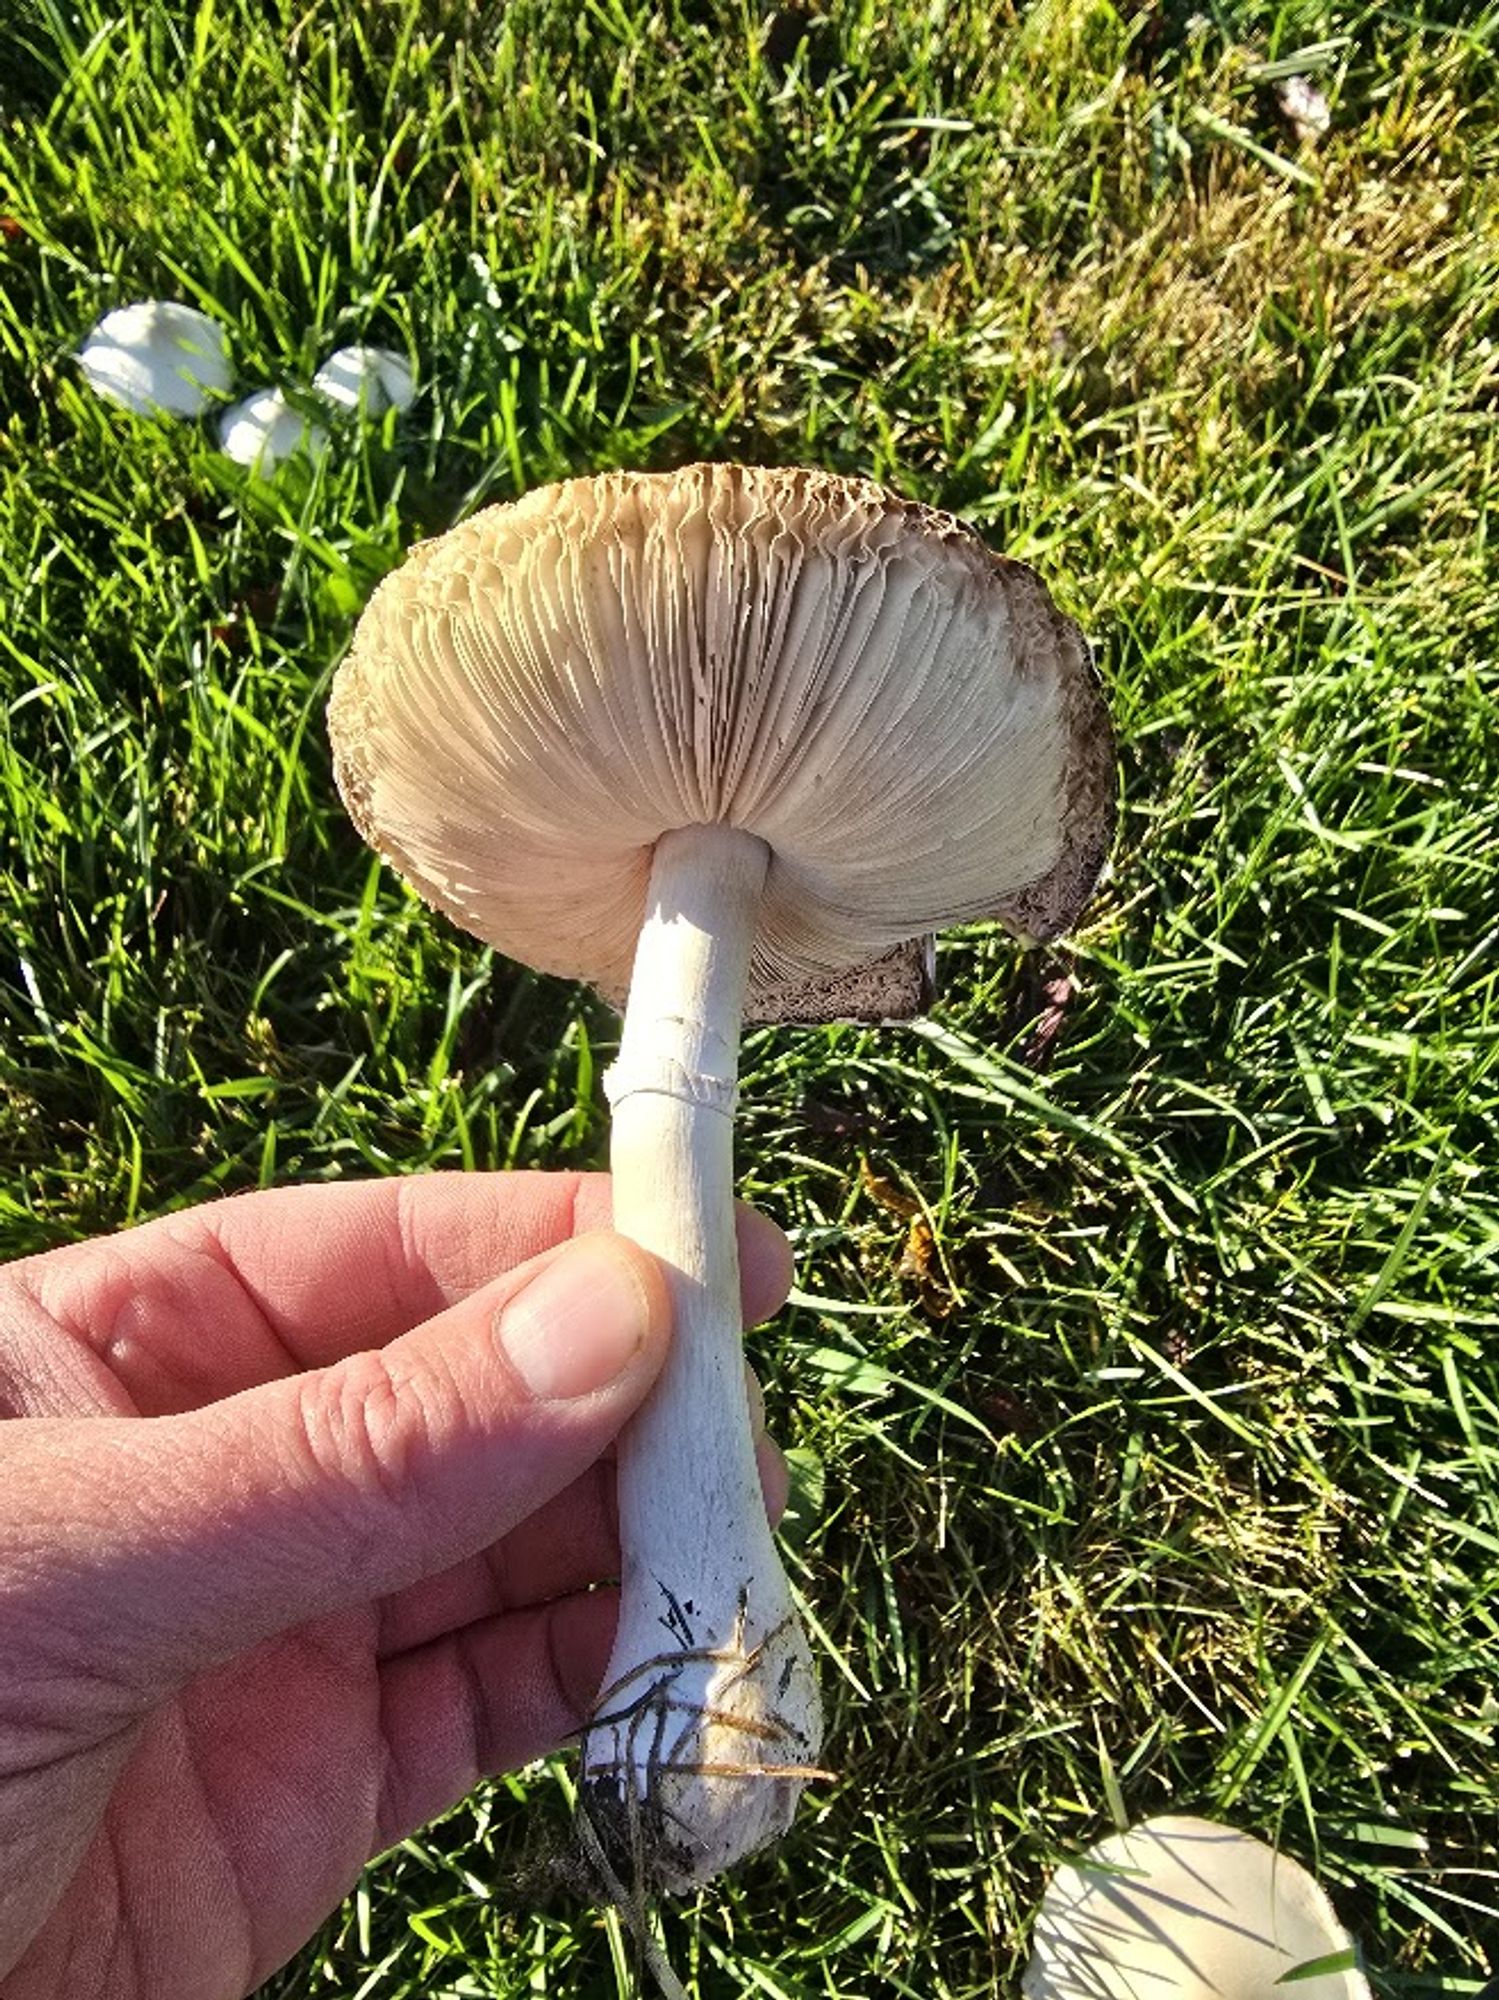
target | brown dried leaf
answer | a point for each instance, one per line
(921, 1264)
(1057, 996)
(894, 1200)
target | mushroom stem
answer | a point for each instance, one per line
(709, 1712)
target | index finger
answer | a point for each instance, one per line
(198, 1304)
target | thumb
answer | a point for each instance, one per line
(175, 1542)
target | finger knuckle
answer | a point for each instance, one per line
(365, 1428)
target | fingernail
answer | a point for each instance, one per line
(775, 1478)
(578, 1324)
(756, 1398)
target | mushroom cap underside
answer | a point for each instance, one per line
(904, 718)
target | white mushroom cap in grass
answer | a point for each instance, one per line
(902, 717)
(719, 736)
(157, 357)
(368, 379)
(1181, 1909)
(264, 429)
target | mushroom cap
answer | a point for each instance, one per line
(904, 718)
(157, 355)
(1182, 1909)
(368, 379)
(264, 428)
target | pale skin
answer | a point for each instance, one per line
(307, 1497)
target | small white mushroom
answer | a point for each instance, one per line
(1181, 1909)
(1305, 108)
(157, 357)
(368, 379)
(264, 429)
(726, 739)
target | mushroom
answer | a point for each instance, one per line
(728, 740)
(264, 428)
(157, 356)
(370, 380)
(1181, 1909)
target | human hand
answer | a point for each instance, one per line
(302, 1512)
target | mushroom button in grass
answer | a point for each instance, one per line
(1184, 1909)
(725, 740)
(157, 357)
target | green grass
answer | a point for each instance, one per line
(1191, 1499)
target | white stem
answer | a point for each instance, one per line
(710, 1710)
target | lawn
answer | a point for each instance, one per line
(1141, 1382)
